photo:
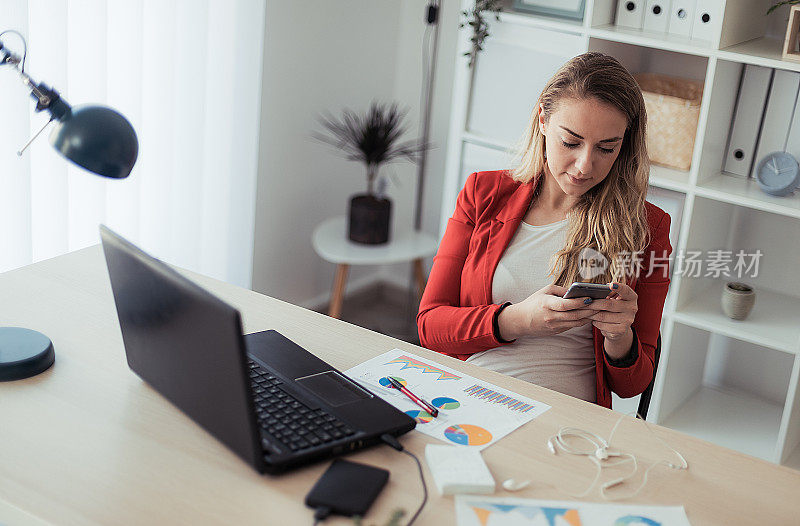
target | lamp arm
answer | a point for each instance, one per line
(46, 98)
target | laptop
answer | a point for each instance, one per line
(270, 401)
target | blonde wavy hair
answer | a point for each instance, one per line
(611, 217)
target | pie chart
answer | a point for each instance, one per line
(385, 381)
(468, 435)
(444, 402)
(422, 417)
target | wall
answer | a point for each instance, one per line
(408, 88)
(324, 56)
(318, 56)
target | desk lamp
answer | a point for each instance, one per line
(96, 138)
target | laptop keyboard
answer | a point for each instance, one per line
(283, 416)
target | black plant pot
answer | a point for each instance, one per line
(369, 219)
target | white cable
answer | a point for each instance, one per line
(684, 464)
(601, 455)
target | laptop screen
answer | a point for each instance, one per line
(185, 343)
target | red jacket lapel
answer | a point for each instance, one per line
(503, 227)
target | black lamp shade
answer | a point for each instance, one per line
(97, 138)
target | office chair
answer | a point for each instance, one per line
(644, 401)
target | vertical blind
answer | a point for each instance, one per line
(187, 74)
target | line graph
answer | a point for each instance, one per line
(410, 363)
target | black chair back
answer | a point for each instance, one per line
(644, 401)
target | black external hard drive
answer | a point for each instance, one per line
(347, 488)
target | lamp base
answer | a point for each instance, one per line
(23, 353)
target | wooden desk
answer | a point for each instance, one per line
(87, 442)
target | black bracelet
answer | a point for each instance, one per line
(496, 323)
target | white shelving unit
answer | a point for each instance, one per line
(734, 383)
(764, 51)
(707, 415)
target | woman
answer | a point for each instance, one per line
(519, 238)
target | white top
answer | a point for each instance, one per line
(331, 243)
(563, 362)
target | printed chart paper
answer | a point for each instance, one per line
(471, 412)
(473, 510)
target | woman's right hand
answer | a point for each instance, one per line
(543, 313)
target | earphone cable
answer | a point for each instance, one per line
(601, 453)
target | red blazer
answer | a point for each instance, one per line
(456, 312)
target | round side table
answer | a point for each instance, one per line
(331, 244)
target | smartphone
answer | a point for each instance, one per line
(595, 291)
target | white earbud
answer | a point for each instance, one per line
(551, 446)
(603, 453)
(514, 485)
(612, 483)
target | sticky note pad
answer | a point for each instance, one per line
(459, 470)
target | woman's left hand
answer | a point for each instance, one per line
(616, 313)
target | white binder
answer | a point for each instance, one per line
(793, 140)
(707, 20)
(681, 18)
(630, 13)
(656, 15)
(746, 120)
(778, 115)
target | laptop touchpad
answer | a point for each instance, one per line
(334, 388)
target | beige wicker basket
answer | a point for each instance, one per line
(673, 109)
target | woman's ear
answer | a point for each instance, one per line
(542, 119)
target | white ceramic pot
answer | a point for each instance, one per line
(738, 300)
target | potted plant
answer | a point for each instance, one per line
(475, 19)
(373, 139)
